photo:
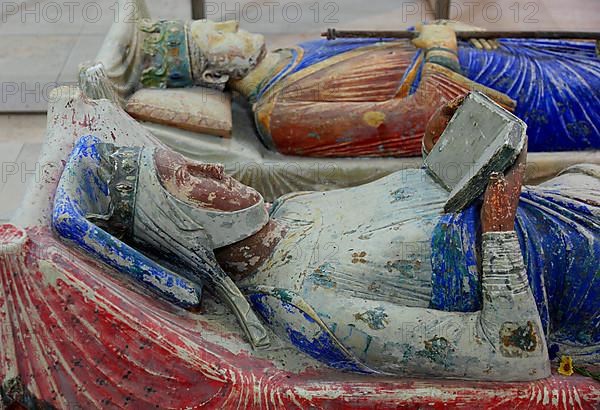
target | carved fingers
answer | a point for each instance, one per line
(438, 123)
(435, 35)
(485, 44)
(501, 198)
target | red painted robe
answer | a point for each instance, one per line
(372, 100)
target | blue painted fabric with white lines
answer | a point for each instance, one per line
(555, 83)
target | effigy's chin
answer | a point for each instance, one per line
(76, 332)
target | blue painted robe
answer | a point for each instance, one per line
(558, 225)
(556, 84)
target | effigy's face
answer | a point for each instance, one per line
(229, 51)
(202, 184)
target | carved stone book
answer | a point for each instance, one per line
(481, 138)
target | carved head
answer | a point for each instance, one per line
(225, 52)
(202, 184)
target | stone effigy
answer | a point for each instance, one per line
(364, 307)
(373, 97)
(327, 80)
(70, 320)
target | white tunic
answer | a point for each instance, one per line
(350, 284)
(372, 241)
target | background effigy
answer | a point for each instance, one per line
(139, 223)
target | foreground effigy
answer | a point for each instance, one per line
(77, 331)
(321, 102)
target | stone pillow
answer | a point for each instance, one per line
(195, 109)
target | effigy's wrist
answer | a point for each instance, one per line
(443, 56)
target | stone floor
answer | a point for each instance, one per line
(20, 142)
(42, 42)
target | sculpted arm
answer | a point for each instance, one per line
(504, 340)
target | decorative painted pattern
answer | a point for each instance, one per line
(166, 61)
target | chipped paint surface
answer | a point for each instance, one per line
(167, 228)
(437, 350)
(80, 192)
(375, 318)
(373, 97)
(202, 184)
(84, 324)
(374, 118)
(518, 340)
(372, 109)
(550, 245)
(90, 324)
(372, 300)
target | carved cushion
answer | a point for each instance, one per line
(196, 109)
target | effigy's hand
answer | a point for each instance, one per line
(435, 36)
(497, 213)
(457, 26)
(485, 44)
(438, 123)
(501, 198)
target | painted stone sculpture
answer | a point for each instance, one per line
(76, 333)
(115, 75)
(128, 200)
(373, 97)
(394, 289)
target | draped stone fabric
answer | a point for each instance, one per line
(555, 83)
(558, 225)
